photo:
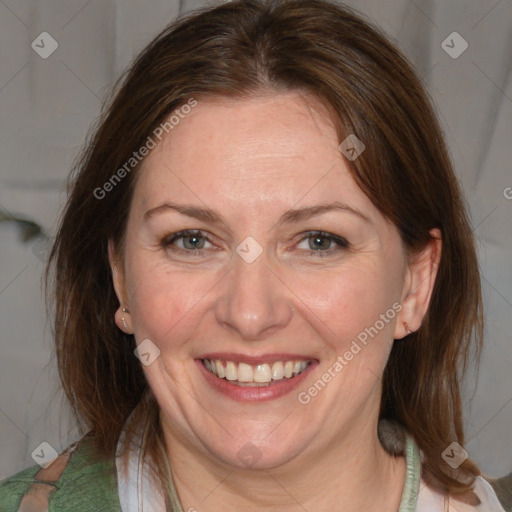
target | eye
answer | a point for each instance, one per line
(193, 241)
(320, 243)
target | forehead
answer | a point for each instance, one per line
(250, 153)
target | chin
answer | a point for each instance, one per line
(255, 450)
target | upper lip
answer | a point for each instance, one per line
(255, 359)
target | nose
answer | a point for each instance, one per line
(254, 302)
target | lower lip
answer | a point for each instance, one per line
(248, 394)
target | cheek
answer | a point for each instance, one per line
(350, 302)
(165, 305)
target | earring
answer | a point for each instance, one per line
(407, 328)
(124, 321)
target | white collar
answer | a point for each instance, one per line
(137, 492)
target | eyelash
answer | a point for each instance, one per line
(340, 242)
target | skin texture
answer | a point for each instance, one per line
(250, 161)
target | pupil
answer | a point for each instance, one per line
(320, 239)
(195, 243)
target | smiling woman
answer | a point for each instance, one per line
(274, 309)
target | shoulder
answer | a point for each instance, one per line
(430, 499)
(417, 496)
(13, 488)
(79, 479)
(489, 501)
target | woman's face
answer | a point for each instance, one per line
(259, 289)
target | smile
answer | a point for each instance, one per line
(249, 378)
(255, 375)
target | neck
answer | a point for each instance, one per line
(356, 472)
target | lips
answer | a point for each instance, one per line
(249, 378)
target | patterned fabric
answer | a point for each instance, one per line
(38, 495)
(78, 482)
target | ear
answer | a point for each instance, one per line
(418, 286)
(117, 269)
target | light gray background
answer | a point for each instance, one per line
(48, 105)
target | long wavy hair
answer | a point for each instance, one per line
(243, 49)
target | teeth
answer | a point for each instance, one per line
(288, 369)
(277, 371)
(261, 374)
(220, 369)
(231, 373)
(245, 373)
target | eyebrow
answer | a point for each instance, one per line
(291, 216)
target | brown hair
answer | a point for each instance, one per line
(242, 49)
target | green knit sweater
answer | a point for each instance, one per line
(82, 487)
